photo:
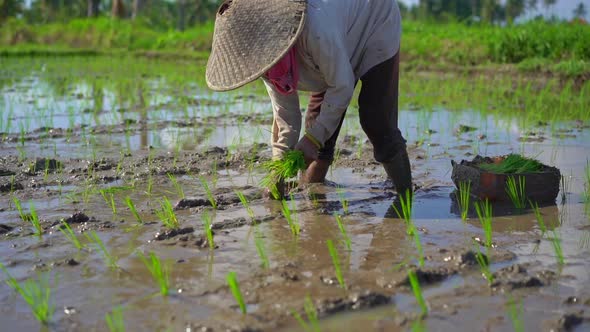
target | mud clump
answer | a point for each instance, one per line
(191, 202)
(5, 229)
(171, 233)
(43, 164)
(468, 258)
(77, 218)
(10, 186)
(568, 321)
(517, 276)
(241, 221)
(427, 276)
(365, 300)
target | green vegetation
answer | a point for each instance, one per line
(177, 186)
(343, 232)
(232, 281)
(513, 164)
(336, 263)
(167, 215)
(484, 212)
(516, 191)
(404, 211)
(208, 192)
(280, 169)
(67, 231)
(259, 242)
(133, 210)
(515, 311)
(556, 242)
(290, 216)
(34, 218)
(114, 320)
(587, 181)
(109, 259)
(464, 198)
(245, 203)
(35, 292)
(343, 199)
(484, 264)
(312, 316)
(417, 292)
(206, 218)
(539, 218)
(159, 271)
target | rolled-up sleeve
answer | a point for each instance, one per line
(330, 56)
(286, 126)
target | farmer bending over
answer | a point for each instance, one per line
(325, 47)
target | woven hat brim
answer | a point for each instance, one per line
(249, 38)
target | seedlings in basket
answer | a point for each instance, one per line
(166, 214)
(281, 169)
(67, 231)
(513, 164)
(206, 218)
(245, 203)
(312, 316)
(336, 263)
(417, 292)
(484, 213)
(234, 286)
(109, 259)
(464, 198)
(516, 191)
(343, 232)
(160, 271)
(114, 320)
(35, 292)
(291, 217)
(208, 191)
(133, 210)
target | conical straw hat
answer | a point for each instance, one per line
(250, 37)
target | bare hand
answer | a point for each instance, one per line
(309, 149)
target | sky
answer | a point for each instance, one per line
(563, 8)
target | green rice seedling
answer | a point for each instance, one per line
(34, 219)
(110, 260)
(418, 326)
(160, 271)
(133, 210)
(336, 263)
(260, 248)
(513, 164)
(464, 198)
(35, 292)
(166, 214)
(67, 231)
(114, 320)
(565, 187)
(343, 232)
(245, 203)
(516, 191)
(312, 316)
(109, 197)
(539, 217)
(416, 236)
(150, 185)
(176, 185)
(417, 292)
(405, 210)
(556, 242)
(234, 286)
(343, 199)
(208, 191)
(281, 169)
(484, 264)
(291, 218)
(515, 311)
(206, 218)
(484, 213)
(19, 208)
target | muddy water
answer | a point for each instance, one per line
(223, 139)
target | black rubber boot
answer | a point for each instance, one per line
(399, 171)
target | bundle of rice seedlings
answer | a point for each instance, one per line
(513, 164)
(284, 168)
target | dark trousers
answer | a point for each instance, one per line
(378, 111)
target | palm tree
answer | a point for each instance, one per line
(580, 11)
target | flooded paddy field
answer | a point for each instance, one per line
(104, 144)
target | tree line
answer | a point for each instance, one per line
(179, 14)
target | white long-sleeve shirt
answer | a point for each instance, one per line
(341, 40)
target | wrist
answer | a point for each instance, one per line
(313, 140)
